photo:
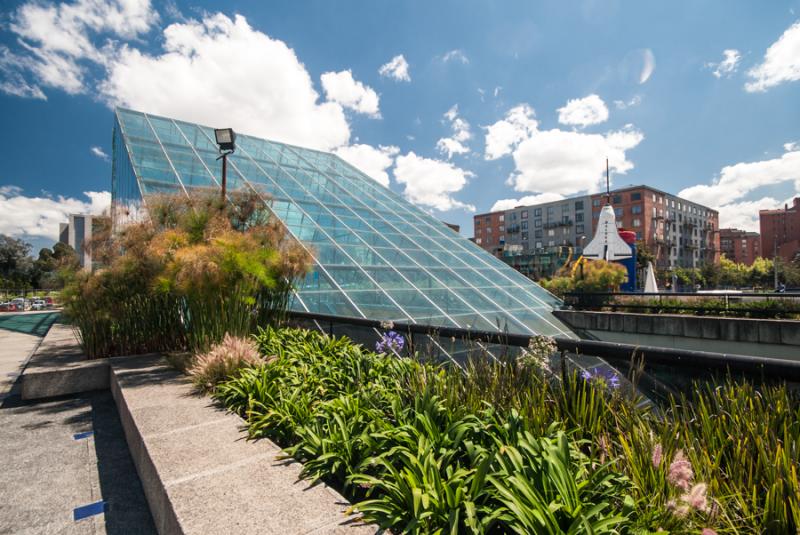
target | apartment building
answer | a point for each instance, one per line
(740, 246)
(780, 231)
(676, 231)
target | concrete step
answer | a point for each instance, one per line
(199, 473)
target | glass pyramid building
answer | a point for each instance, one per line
(376, 255)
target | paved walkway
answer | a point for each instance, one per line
(46, 472)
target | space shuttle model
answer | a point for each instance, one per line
(607, 244)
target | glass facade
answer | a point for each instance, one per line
(376, 255)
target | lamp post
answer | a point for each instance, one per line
(226, 139)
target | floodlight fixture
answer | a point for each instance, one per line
(226, 139)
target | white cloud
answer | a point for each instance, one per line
(455, 55)
(634, 101)
(729, 190)
(781, 62)
(504, 135)
(728, 65)
(461, 134)
(220, 71)
(583, 111)
(12, 79)
(507, 204)
(56, 39)
(431, 182)
(648, 65)
(396, 68)
(97, 151)
(22, 216)
(497, 91)
(744, 214)
(793, 145)
(371, 161)
(342, 88)
(738, 180)
(556, 161)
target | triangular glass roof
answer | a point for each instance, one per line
(376, 255)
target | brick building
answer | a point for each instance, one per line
(676, 231)
(739, 245)
(780, 231)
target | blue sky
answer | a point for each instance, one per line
(500, 101)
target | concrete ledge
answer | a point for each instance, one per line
(59, 367)
(199, 473)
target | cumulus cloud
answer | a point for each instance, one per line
(556, 161)
(220, 71)
(430, 182)
(12, 79)
(57, 41)
(729, 191)
(23, 217)
(625, 104)
(583, 111)
(455, 55)
(97, 151)
(374, 162)
(461, 134)
(504, 135)
(396, 69)
(737, 181)
(342, 88)
(728, 65)
(781, 62)
(744, 214)
(507, 204)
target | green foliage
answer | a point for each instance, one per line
(502, 447)
(588, 276)
(193, 272)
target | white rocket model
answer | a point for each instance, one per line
(607, 244)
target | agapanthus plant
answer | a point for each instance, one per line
(390, 342)
(609, 378)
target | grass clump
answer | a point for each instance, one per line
(222, 361)
(508, 447)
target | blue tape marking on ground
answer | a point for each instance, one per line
(86, 434)
(84, 511)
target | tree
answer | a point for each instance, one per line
(46, 272)
(15, 262)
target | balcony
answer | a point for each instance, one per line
(556, 224)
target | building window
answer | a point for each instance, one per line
(502, 218)
(617, 199)
(619, 224)
(565, 219)
(579, 217)
(538, 245)
(619, 212)
(551, 210)
(502, 228)
(636, 196)
(478, 241)
(537, 234)
(478, 222)
(488, 220)
(637, 223)
(595, 202)
(638, 235)
(551, 243)
(513, 216)
(636, 209)
(525, 236)
(524, 214)
(524, 225)
(578, 205)
(564, 208)
(537, 212)
(537, 223)
(578, 229)
(551, 232)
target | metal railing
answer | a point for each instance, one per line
(685, 362)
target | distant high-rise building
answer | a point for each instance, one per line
(676, 231)
(77, 233)
(780, 231)
(739, 245)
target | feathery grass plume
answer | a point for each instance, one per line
(657, 454)
(680, 471)
(696, 498)
(223, 360)
(708, 531)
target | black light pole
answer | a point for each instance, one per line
(226, 139)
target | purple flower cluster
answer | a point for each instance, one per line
(608, 377)
(390, 342)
